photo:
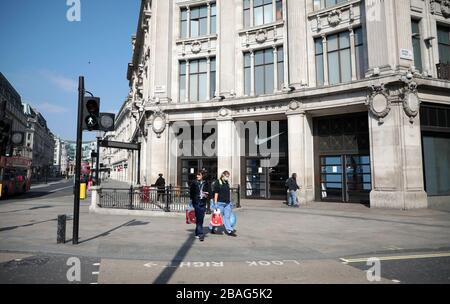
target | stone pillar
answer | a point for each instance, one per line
(298, 59)
(325, 60)
(226, 45)
(252, 73)
(225, 134)
(275, 69)
(353, 53)
(208, 78)
(396, 149)
(158, 154)
(388, 25)
(300, 156)
(95, 197)
(187, 90)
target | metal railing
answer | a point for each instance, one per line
(443, 71)
(167, 199)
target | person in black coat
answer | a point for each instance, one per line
(160, 184)
(199, 195)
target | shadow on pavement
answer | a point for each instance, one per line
(129, 223)
(27, 225)
(27, 209)
(168, 272)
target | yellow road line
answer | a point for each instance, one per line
(399, 257)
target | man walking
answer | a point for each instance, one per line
(160, 184)
(292, 186)
(199, 195)
(222, 199)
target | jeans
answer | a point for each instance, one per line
(225, 210)
(292, 198)
(199, 216)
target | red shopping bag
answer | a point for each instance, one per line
(216, 219)
(190, 215)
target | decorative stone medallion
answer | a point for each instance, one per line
(378, 102)
(224, 112)
(261, 36)
(158, 122)
(294, 105)
(196, 47)
(334, 18)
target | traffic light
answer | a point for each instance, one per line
(107, 121)
(91, 113)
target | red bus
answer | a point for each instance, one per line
(15, 175)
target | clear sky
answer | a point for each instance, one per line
(42, 55)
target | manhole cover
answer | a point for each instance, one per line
(34, 261)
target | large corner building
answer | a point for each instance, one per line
(359, 89)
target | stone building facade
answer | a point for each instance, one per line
(355, 95)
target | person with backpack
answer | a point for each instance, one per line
(292, 187)
(199, 195)
(222, 199)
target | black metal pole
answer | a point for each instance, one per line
(139, 165)
(97, 168)
(76, 196)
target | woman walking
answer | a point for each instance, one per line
(222, 199)
(199, 194)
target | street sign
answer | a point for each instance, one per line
(119, 145)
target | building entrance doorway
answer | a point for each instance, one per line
(265, 182)
(190, 167)
(342, 158)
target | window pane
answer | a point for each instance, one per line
(319, 46)
(193, 68)
(247, 60)
(213, 24)
(319, 70)
(268, 14)
(193, 87)
(346, 66)
(246, 4)
(183, 29)
(259, 15)
(213, 9)
(443, 35)
(269, 79)
(317, 4)
(280, 54)
(329, 3)
(259, 80)
(195, 13)
(268, 56)
(247, 81)
(359, 36)
(259, 57)
(202, 87)
(444, 54)
(203, 27)
(333, 68)
(437, 165)
(194, 28)
(280, 75)
(279, 9)
(344, 40)
(203, 66)
(332, 43)
(183, 14)
(213, 64)
(360, 65)
(182, 88)
(212, 85)
(203, 11)
(257, 2)
(247, 18)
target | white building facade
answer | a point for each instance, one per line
(353, 96)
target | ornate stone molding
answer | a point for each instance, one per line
(196, 47)
(261, 36)
(334, 18)
(411, 101)
(378, 102)
(224, 113)
(442, 6)
(158, 122)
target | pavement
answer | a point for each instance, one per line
(317, 243)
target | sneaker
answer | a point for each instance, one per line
(202, 238)
(197, 237)
(213, 231)
(233, 234)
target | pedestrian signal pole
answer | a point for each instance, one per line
(76, 196)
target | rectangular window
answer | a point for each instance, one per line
(183, 23)
(263, 12)
(213, 18)
(319, 4)
(360, 54)
(246, 13)
(444, 44)
(264, 72)
(436, 154)
(416, 41)
(319, 61)
(339, 58)
(247, 74)
(212, 79)
(279, 5)
(182, 81)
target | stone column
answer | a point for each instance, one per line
(208, 22)
(298, 59)
(300, 158)
(188, 25)
(396, 152)
(225, 135)
(252, 12)
(158, 154)
(208, 78)
(227, 45)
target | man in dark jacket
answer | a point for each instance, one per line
(160, 184)
(291, 184)
(199, 195)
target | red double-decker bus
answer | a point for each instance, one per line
(15, 175)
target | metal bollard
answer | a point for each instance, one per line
(61, 233)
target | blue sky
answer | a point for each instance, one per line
(42, 54)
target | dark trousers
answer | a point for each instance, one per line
(199, 216)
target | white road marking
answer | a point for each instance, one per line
(96, 264)
(95, 272)
(400, 257)
(93, 283)
(56, 190)
(396, 281)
